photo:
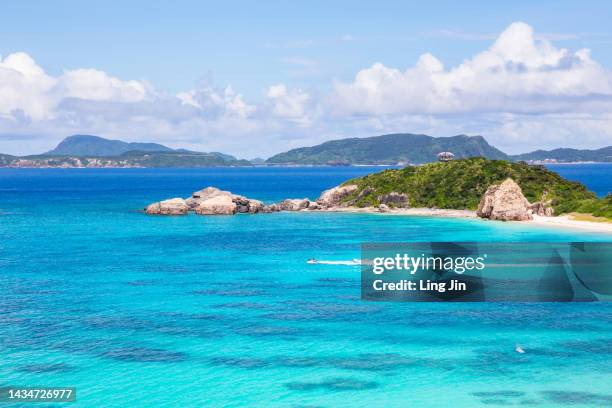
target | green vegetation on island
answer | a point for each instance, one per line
(128, 159)
(460, 184)
(94, 151)
(568, 155)
(88, 145)
(181, 159)
(6, 159)
(388, 149)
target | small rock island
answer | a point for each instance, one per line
(213, 201)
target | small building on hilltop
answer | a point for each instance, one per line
(445, 156)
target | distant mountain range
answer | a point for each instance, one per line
(392, 149)
(388, 149)
(87, 145)
(96, 146)
(568, 155)
(98, 152)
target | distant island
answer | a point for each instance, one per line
(567, 155)
(402, 148)
(87, 151)
(398, 149)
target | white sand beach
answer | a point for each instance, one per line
(562, 221)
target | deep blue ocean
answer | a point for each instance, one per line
(135, 310)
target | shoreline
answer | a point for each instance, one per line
(561, 221)
(565, 221)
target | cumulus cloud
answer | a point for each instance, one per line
(517, 74)
(25, 87)
(217, 102)
(521, 93)
(288, 103)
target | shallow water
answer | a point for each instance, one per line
(224, 311)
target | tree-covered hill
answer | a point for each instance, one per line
(460, 184)
(128, 159)
(88, 145)
(569, 155)
(388, 149)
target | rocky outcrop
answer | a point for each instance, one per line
(173, 206)
(334, 196)
(209, 201)
(200, 196)
(542, 209)
(394, 199)
(505, 202)
(217, 205)
(271, 208)
(294, 204)
(383, 208)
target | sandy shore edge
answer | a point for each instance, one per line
(562, 221)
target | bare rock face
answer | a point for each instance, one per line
(383, 208)
(217, 205)
(270, 208)
(332, 197)
(542, 209)
(294, 204)
(208, 201)
(505, 202)
(395, 199)
(255, 206)
(173, 206)
(197, 197)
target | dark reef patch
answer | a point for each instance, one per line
(145, 355)
(375, 362)
(239, 362)
(140, 283)
(495, 401)
(499, 394)
(45, 368)
(245, 305)
(333, 384)
(601, 346)
(529, 402)
(578, 398)
(298, 361)
(229, 292)
(265, 331)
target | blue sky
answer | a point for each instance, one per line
(308, 48)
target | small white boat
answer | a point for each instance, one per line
(312, 261)
(519, 349)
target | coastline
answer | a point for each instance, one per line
(561, 221)
(423, 212)
(565, 221)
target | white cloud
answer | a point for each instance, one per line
(289, 103)
(24, 87)
(217, 102)
(516, 74)
(27, 89)
(95, 85)
(521, 93)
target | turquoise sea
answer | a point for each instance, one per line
(139, 311)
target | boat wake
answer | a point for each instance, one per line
(348, 263)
